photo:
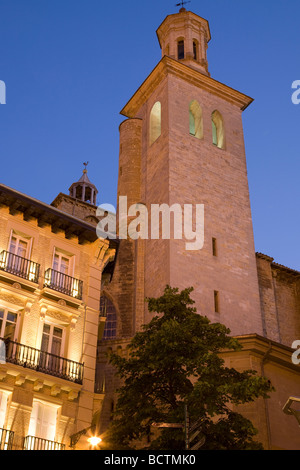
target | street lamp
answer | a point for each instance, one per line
(94, 441)
(287, 409)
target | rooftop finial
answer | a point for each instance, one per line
(85, 165)
(181, 4)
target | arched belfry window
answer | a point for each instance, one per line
(155, 122)
(180, 49)
(195, 50)
(218, 130)
(196, 119)
(107, 310)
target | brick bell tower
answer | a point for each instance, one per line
(182, 143)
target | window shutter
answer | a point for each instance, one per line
(46, 422)
(10, 241)
(33, 419)
(43, 421)
(3, 408)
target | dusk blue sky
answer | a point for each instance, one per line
(71, 65)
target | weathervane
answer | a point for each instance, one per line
(85, 164)
(182, 3)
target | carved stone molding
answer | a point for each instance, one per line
(103, 254)
(59, 311)
(55, 390)
(43, 312)
(73, 323)
(73, 395)
(3, 374)
(58, 316)
(20, 380)
(27, 308)
(16, 285)
(38, 385)
(11, 299)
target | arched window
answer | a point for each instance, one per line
(155, 122)
(195, 50)
(196, 120)
(180, 49)
(218, 130)
(108, 310)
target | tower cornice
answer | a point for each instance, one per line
(169, 66)
(172, 20)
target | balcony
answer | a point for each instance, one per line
(36, 443)
(19, 266)
(44, 362)
(6, 439)
(62, 283)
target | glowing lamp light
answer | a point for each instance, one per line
(75, 288)
(32, 272)
(75, 293)
(94, 441)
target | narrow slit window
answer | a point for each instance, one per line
(195, 50)
(217, 301)
(180, 49)
(214, 247)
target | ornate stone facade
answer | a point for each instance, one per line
(50, 281)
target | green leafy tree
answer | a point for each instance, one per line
(174, 365)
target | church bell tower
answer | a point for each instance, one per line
(185, 37)
(182, 143)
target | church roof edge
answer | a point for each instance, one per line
(176, 67)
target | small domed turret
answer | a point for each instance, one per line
(84, 190)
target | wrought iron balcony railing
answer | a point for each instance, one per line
(42, 361)
(19, 266)
(62, 283)
(36, 443)
(6, 439)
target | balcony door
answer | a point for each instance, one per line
(63, 267)
(52, 348)
(61, 263)
(19, 247)
(42, 423)
(8, 324)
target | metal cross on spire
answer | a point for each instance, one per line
(182, 3)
